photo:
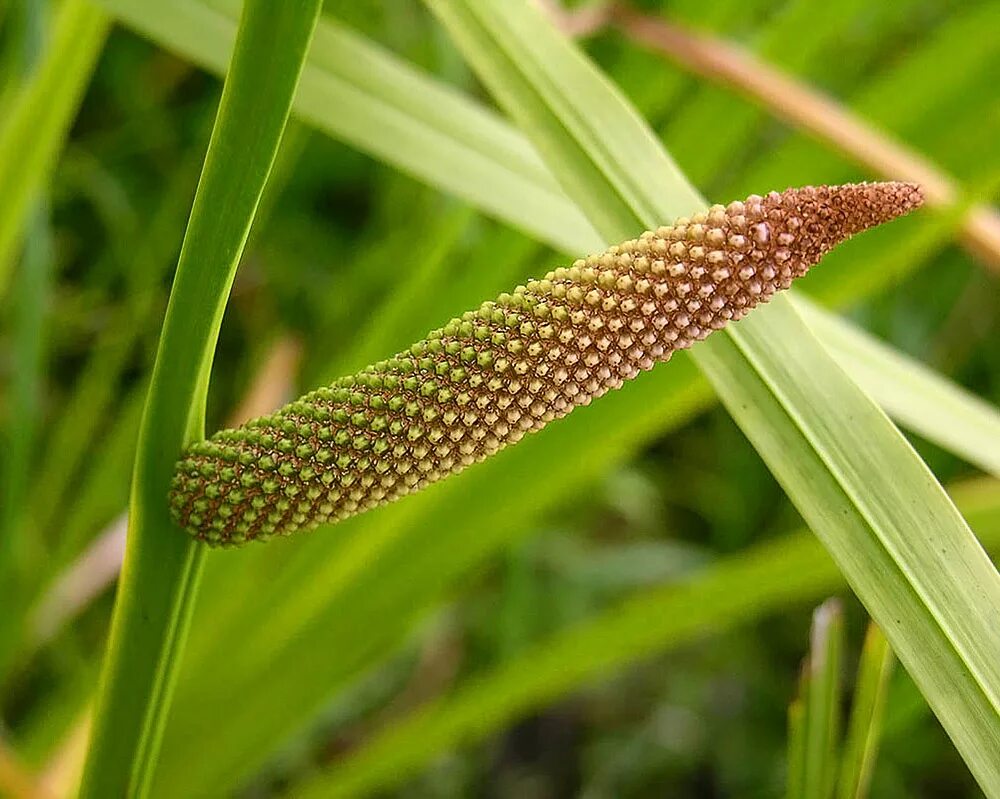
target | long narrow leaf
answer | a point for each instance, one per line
(852, 476)
(733, 591)
(384, 107)
(865, 726)
(796, 749)
(160, 574)
(910, 393)
(37, 123)
(820, 691)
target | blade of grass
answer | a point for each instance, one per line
(88, 423)
(94, 391)
(32, 279)
(399, 116)
(820, 691)
(847, 469)
(865, 726)
(37, 122)
(161, 569)
(796, 749)
(19, 554)
(912, 394)
(867, 496)
(734, 590)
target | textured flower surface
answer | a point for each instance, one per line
(513, 365)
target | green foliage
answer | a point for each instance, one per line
(731, 591)
(327, 585)
(820, 765)
(815, 713)
(929, 594)
(865, 725)
(162, 567)
(39, 116)
(614, 607)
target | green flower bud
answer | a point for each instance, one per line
(513, 365)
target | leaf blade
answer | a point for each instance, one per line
(865, 724)
(733, 590)
(39, 120)
(776, 381)
(162, 566)
(820, 691)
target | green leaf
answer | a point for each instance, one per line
(72, 436)
(19, 550)
(796, 749)
(33, 131)
(735, 590)
(853, 477)
(819, 690)
(381, 106)
(162, 565)
(866, 495)
(910, 393)
(865, 726)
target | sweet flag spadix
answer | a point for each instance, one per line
(513, 365)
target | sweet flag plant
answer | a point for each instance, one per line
(513, 365)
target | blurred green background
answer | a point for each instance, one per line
(348, 258)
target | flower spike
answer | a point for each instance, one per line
(512, 365)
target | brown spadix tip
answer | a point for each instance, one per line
(512, 365)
